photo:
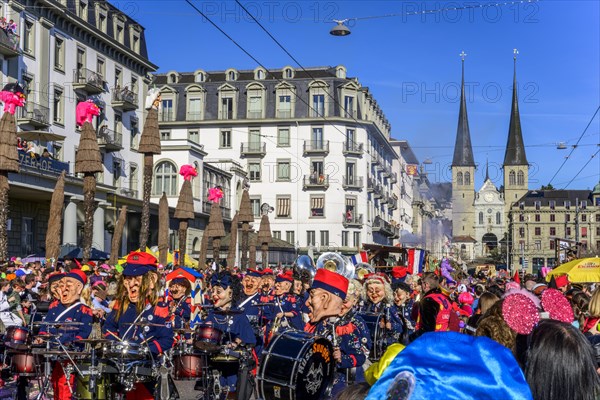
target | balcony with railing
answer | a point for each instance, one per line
(166, 115)
(378, 191)
(258, 149)
(88, 81)
(386, 171)
(110, 140)
(352, 183)
(316, 147)
(193, 116)
(9, 44)
(352, 149)
(34, 114)
(371, 185)
(124, 100)
(383, 227)
(225, 211)
(127, 192)
(316, 182)
(350, 220)
(393, 177)
(392, 203)
(375, 159)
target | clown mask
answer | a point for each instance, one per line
(70, 290)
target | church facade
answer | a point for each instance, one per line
(480, 220)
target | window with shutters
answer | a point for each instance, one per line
(283, 209)
(317, 206)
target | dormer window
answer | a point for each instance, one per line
(231, 75)
(101, 16)
(288, 73)
(172, 78)
(259, 74)
(199, 77)
(340, 72)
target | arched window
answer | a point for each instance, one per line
(498, 218)
(199, 77)
(467, 178)
(459, 178)
(511, 178)
(165, 179)
(173, 78)
(520, 178)
(196, 246)
(481, 218)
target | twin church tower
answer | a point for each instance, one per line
(480, 219)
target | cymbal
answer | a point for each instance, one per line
(184, 330)
(62, 323)
(143, 323)
(48, 353)
(228, 312)
(92, 342)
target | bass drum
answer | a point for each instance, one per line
(296, 366)
(377, 334)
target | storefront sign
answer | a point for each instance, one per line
(43, 164)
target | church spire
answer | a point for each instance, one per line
(487, 170)
(515, 148)
(463, 152)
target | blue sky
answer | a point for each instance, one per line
(412, 66)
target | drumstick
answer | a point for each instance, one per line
(147, 340)
(114, 335)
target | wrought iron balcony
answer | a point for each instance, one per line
(371, 185)
(131, 193)
(394, 177)
(352, 221)
(258, 149)
(386, 172)
(193, 116)
(352, 149)
(110, 140)
(124, 99)
(167, 115)
(316, 182)
(377, 191)
(384, 227)
(392, 203)
(316, 147)
(225, 211)
(34, 115)
(352, 183)
(375, 159)
(9, 44)
(88, 81)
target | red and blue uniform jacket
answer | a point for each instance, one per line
(354, 341)
(78, 313)
(183, 311)
(160, 338)
(286, 303)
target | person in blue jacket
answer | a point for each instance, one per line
(285, 311)
(68, 309)
(238, 336)
(138, 316)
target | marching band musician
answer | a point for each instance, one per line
(326, 298)
(380, 299)
(286, 311)
(68, 309)
(353, 341)
(226, 290)
(137, 315)
(401, 311)
(251, 284)
(267, 283)
(180, 302)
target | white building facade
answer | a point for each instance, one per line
(314, 144)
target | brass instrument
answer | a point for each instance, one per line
(304, 265)
(336, 262)
(363, 269)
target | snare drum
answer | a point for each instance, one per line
(125, 351)
(24, 364)
(377, 334)
(226, 364)
(16, 337)
(188, 363)
(296, 365)
(207, 338)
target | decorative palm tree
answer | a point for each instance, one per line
(185, 207)
(245, 217)
(232, 242)
(215, 228)
(163, 229)
(149, 146)
(12, 96)
(115, 247)
(55, 219)
(88, 162)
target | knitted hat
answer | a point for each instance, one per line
(332, 282)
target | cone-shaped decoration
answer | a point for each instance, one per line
(88, 158)
(163, 229)
(184, 212)
(245, 217)
(253, 256)
(264, 238)
(215, 226)
(55, 219)
(115, 246)
(150, 139)
(233, 242)
(203, 251)
(9, 156)
(216, 244)
(149, 145)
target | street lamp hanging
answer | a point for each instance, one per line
(340, 29)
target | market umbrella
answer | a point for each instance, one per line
(95, 254)
(41, 136)
(579, 271)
